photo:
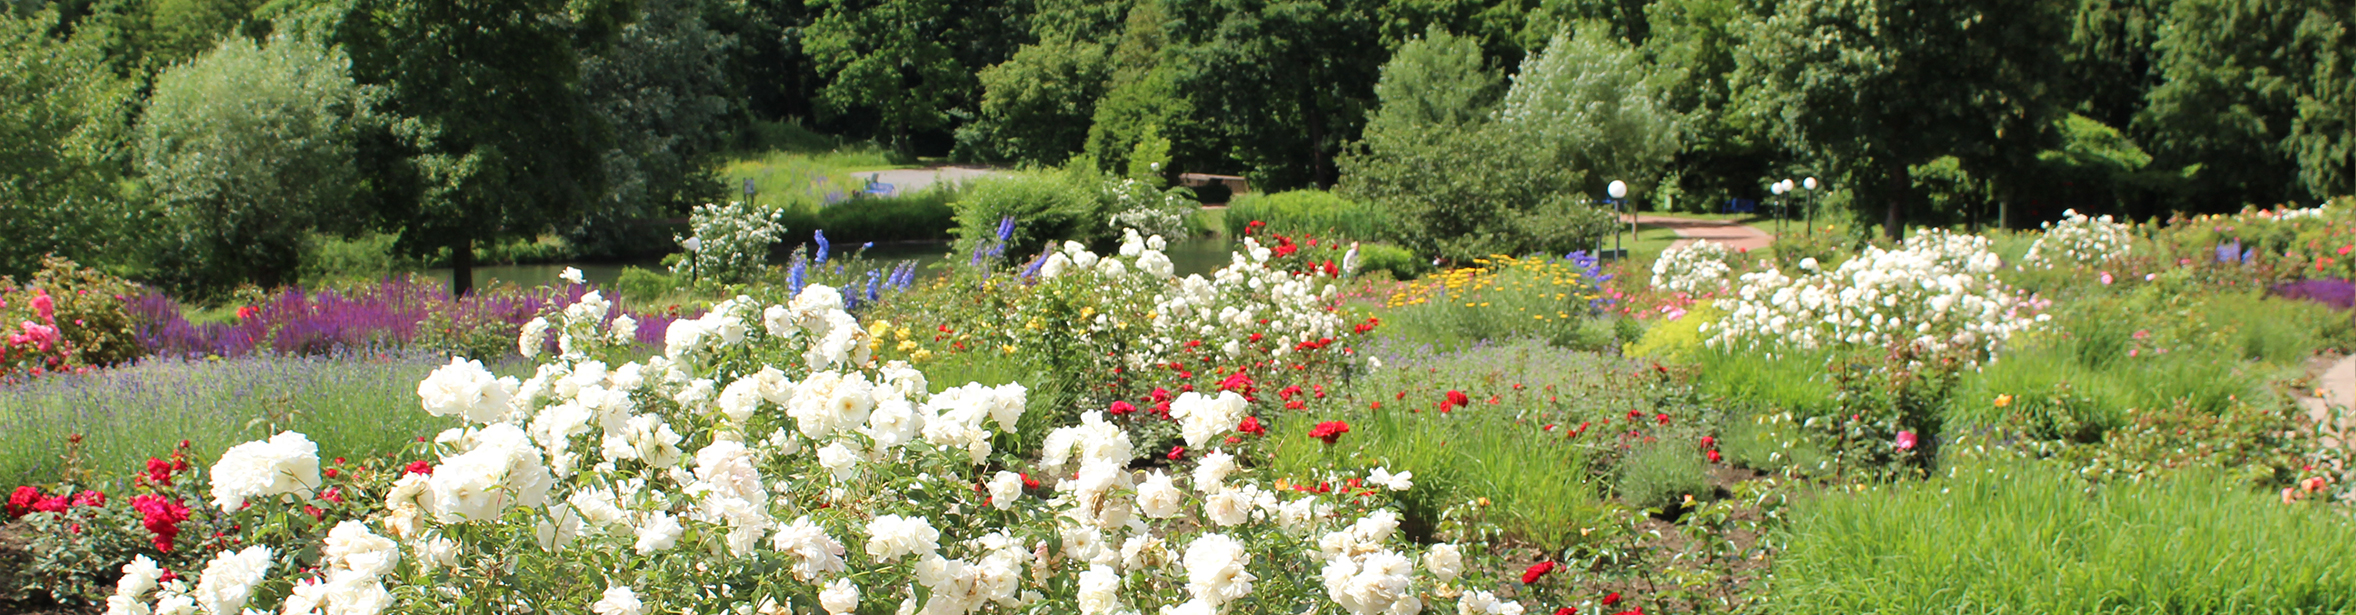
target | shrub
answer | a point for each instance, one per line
(731, 242)
(1401, 264)
(1696, 268)
(1466, 192)
(2025, 537)
(1311, 213)
(65, 318)
(363, 258)
(1047, 206)
(2079, 241)
(640, 285)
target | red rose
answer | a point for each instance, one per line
(1329, 431)
(1662, 417)
(1122, 407)
(1535, 571)
(1177, 453)
(22, 501)
(1160, 395)
(1714, 457)
(1612, 599)
(1566, 611)
(159, 472)
(90, 498)
(1251, 425)
(419, 467)
(1459, 399)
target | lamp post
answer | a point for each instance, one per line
(1619, 191)
(1810, 184)
(1779, 188)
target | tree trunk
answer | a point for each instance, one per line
(1894, 220)
(462, 268)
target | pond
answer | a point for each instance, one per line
(1202, 255)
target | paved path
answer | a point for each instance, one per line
(1734, 235)
(2335, 387)
(911, 181)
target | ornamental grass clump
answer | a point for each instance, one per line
(766, 461)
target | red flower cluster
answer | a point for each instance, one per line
(419, 467)
(162, 515)
(1536, 571)
(1329, 431)
(29, 499)
(1251, 425)
(1710, 446)
(1457, 399)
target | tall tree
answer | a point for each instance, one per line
(247, 150)
(892, 58)
(1284, 82)
(62, 147)
(1436, 79)
(1036, 106)
(1586, 100)
(661, 90)
(2235, 78)
(1875, 87)
(491, 137)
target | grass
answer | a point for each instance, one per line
(351, 408)
(2022, 537)
(1539, 482)
(781, 172)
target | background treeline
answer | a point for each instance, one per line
(193, 142)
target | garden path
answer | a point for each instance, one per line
(2335, 387)
(1735, 235)
(912, 181)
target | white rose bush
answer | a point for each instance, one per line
(1696, 268)
(1938, 292)
(768, 461)
(2079, 241)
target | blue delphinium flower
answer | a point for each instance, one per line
(822, 246)
(794, 276)
(873, 277)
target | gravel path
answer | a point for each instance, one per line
(911, 181)
(1734, 235)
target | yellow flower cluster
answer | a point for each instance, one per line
(1546, 279)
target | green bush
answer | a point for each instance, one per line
(642, 286)
(88, 312)
(367, 257)
(1467, 192)
(923, 216)
(1661, 474)
(2024, 537)
(1676, 341)
(1314, 213)
(1401, 264)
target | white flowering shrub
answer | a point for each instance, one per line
(1695, 268)
(766, 463)
(731, 241)
(2079, 240)
(1137, 205)
(1936, 292)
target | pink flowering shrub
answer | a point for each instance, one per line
(66, 318)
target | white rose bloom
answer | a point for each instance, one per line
(1100, 590)
(840, 461)
(1005, 489)
(1395, 482)
(305, 598)
(891, 536)
(1202, 418)
(1209, 476)
(1485, 603)
(1228, 507)
(139, 577)
(352, 547)
(1158, 497)
(1215, 569)
(728, 466)
(839, 597)
(618, 600)
(1444, 561)
(287, 463)
(1378, 585)
(659, 532)
(502, 469)
(353, 593)
(228, 581)
(740, 399)
(815, 553)
(533, 338)
(1154, 263)
(466, 389)
(1297, 513)
(624, 330)
(176, 604)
